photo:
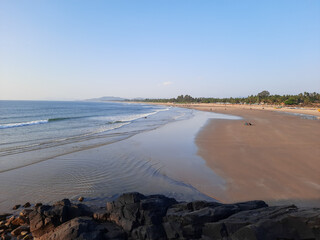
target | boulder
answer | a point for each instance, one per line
(101, 215)
(281, 222)
(132, 210)
(28, 237)
(156, 217)
(4, 216)
(38, 205)
(20, 220)
(84, 228)
(15, 207)
(19, 230)
(149, 232)
(45, 218)
(5, 236)
(8, 223)
(26, 205)
(25, 212)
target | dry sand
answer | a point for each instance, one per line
(277, 159)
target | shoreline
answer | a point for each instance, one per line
(165, 158)
(220, 108)
(274, 159)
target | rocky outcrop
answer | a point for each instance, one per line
(136, 216)
(46, 218)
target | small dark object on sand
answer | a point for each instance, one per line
(248, 124)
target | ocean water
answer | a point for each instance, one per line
(34, 131)
(55, 150)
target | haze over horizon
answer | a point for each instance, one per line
(57, 50)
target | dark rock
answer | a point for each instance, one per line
(215, 230)
(3, 225)
(38, 205)
(28, 237)
(135, 216)
(285, 222)
(25, 212)
(20, 220)
(218, 230)
(154, 208)
(8, 223)
(4, 216)
(16, 207)
(101, 215)
(209, 213)
(26, 205)
(149, 232)
(132, 210)
(5, 236)
(63, 202)
(20, 229)
(197, 205)
(24, 233)
(173, 230)
(83, 228)
(45, 218)
(114, 231)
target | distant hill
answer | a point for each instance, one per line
(106, 99)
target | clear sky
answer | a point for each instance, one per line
(164, 48)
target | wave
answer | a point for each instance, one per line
(58, 119)
(110, 119)
(35, 122)
(128, 118)
(22, 124)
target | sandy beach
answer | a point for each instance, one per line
(275, 159)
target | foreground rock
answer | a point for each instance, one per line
(135, 216)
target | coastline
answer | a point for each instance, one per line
(176, 159)
(276, 159)
(222, 108)
(164, 158)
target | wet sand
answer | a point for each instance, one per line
(159, 161)
(277, 159)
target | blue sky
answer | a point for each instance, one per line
(84, 49)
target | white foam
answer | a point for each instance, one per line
(129, 118)
(21, 124)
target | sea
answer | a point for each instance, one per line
(34, 131)
(51, 150)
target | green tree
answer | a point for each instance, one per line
(263, 94)
(290, 101)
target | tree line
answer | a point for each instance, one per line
(264, 97)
